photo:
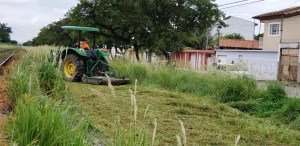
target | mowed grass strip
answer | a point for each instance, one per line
(207, 122)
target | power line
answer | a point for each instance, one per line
(234, 2)
(242, 4)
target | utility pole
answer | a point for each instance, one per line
(218, 29)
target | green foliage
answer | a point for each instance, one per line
(296, 123)
(225, 87)
(45, 122)
(234, 36)
(290, 110)
(159, 26)
(39, 119)
(258, 36)
(205, 119)
(23, 80)
(240, 92)
(50, 78)
(235, 89)
(5, 32)
(276, 91)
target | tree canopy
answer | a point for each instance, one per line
(5, 32)
(156, 25)
(234, 36)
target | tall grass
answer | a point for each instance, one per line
(240, 92)
(24, 80)
(42, 115)
(45, 122)
(223, 86)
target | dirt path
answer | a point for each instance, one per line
(5, 101)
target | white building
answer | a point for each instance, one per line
(262, 65)
(237, 25)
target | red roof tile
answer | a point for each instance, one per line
(236, 44)
(285, 13)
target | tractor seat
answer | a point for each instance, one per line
(91, 54)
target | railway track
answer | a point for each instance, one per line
(6, 54)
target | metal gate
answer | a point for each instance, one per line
(288, 66)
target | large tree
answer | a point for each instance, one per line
(174, 23)
(160, 26)
(118, 20)
(5, 32)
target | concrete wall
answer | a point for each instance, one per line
(237, 25)
(298, 77)
(262, 65)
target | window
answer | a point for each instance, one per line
(274, 29)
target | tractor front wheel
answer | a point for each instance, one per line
(72, 68)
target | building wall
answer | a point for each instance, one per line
(270, 43)
(291, 31)
(194, 60)
(262, 65)
(237, 25)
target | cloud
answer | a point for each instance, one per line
(34, 20)
(17, 2)
(27, 17)
(60, 10)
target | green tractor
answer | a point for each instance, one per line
(89, 66)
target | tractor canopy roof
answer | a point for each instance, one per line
(81, 28)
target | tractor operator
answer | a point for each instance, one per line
(84, 44)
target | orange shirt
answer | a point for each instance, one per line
(84, 45)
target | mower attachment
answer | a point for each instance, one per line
(102, 80)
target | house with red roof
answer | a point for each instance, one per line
(280, 27)
(282, 34)
(239, 44)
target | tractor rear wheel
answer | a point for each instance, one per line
(72, 68)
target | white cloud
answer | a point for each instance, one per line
(60, 10)
(34, 20)
(27, 17)
(16, 2)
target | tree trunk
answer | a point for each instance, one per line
(136, 50)
(167, 55)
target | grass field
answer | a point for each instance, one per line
(203, 102)
(207, 122)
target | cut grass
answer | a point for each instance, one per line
(207, 122)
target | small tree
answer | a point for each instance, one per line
(258, 36)
(234, 36)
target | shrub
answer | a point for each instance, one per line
(244, 106)
(235, 89)
(276, 91)
(296, 123)
(290, 111)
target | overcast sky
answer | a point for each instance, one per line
(27, 17)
